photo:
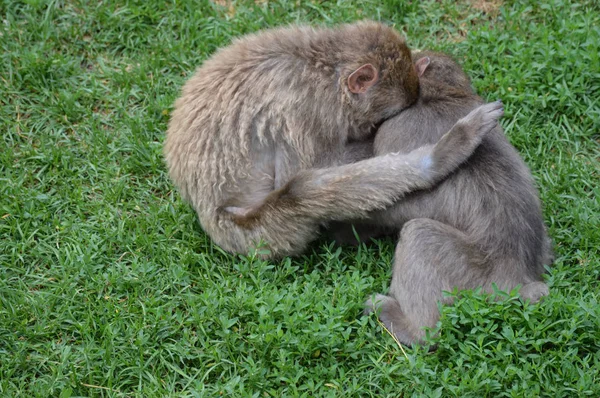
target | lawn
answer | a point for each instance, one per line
(109, 288)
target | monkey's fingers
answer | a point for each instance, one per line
(457, 145)
(484, 118)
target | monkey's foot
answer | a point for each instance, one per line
(393, 318)
(534, 291)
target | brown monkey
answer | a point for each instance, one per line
(481, 225)
(274, 112)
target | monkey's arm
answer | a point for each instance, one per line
(351, 191)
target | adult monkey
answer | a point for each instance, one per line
(269, 117)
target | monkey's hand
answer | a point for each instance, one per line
(457, 145)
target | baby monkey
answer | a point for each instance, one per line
(481, 225)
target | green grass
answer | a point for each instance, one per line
(108, 287)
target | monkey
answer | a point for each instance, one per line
(268, 118)
(482, 225)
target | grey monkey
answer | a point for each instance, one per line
(269, 117)
(481, 225)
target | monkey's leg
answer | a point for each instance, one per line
(430, 258)
(534, 291)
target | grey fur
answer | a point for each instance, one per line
(481, 225)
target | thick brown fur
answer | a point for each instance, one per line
(482, 225)
(270, 116)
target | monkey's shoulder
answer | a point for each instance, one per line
(497, 163)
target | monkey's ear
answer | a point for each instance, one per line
(421, 65)
(362, 79)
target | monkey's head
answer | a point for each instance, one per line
(439, 68)
(378, 75)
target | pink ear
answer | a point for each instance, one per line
(421, 65)
(362, 79)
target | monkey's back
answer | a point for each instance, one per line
(234, 102)
(232, 123)
(491, 197)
